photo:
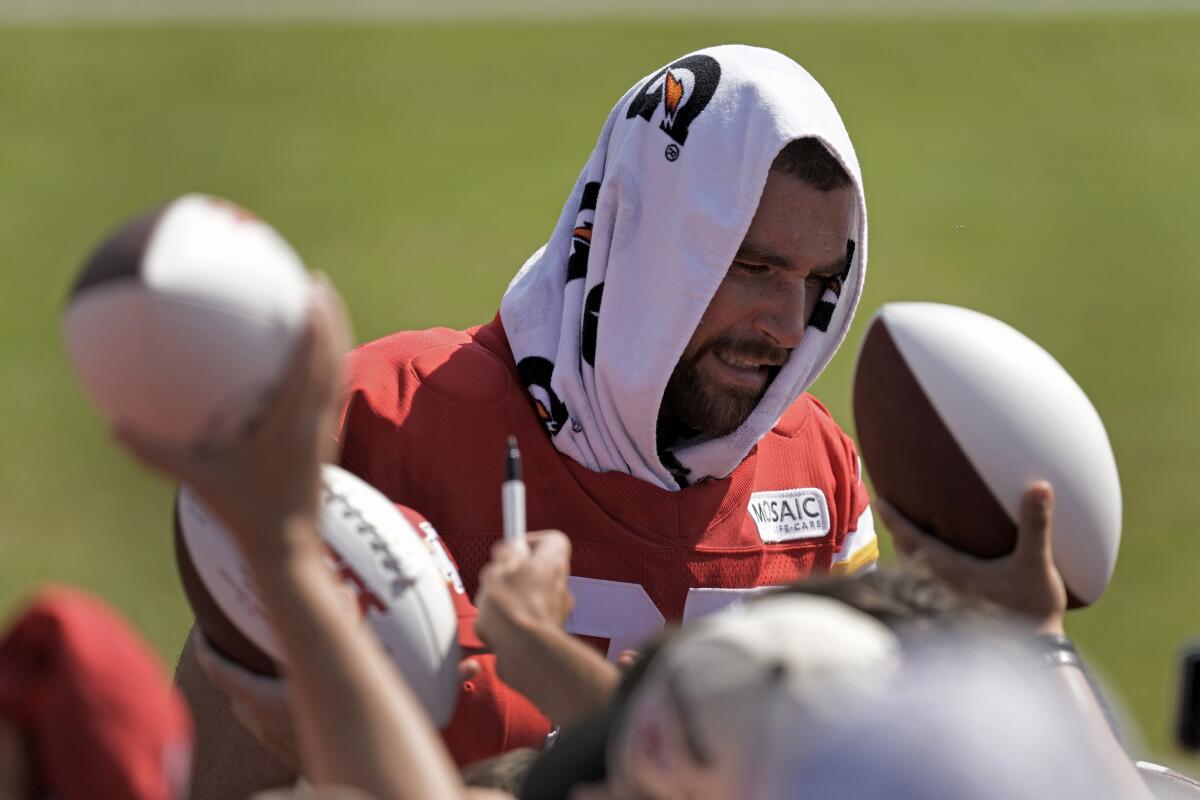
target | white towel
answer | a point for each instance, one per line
(598, 317)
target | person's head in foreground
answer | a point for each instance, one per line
(711, 256)
(965, 720)
(909, 599)
(86, 710)
(697, 718)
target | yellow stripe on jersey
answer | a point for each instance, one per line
(862, 557)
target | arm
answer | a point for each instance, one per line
(228, 760)
(1028, 584)
(357, 723)
(523, 602)
(563, 676)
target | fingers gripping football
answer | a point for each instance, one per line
(1026, 582)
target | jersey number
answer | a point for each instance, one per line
(624, 614)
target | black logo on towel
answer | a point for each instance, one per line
(535, 372)
(581, 236)
(822, 314)
(591, 324)
(683, 89)
(678, 471)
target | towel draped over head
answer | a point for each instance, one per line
(599, 316)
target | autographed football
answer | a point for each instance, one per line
(958, 412)
(399, 574)
(181, 323)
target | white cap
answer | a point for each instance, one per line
(968, 720)
(1167, 784)
(705, 719)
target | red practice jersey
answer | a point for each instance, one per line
(426, 420)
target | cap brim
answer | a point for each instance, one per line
(468, 639)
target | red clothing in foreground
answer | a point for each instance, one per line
(101, 715)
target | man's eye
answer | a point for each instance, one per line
(750, 269)
(820, 281)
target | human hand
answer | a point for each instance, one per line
(521, 590)
(260, 703)
(1025, 581)
(272, 477)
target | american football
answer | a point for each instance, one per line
(958, 412)
(181, 322)
(400, 585)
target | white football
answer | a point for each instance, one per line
(181, 324)
(392, 568)
(958, 412)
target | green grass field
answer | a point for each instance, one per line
(1043, 171)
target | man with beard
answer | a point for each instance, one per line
(652, 360)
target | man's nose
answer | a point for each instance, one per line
(781, 319)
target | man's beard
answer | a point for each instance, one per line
(693, 406)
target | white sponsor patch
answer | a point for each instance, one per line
(789, 514)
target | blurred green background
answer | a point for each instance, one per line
(1039, 169)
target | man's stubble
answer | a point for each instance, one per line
(692, 405)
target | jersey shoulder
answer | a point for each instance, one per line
(810, 425)
(435, 377)
(809, 444)
(453, 364)
(806, 411)
(858, 546)
(422, 410)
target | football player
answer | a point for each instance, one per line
(653, 360)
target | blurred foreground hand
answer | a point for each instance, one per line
(261, 703)
(520, 591)
(1025, 581)
(264, 484)
(523, 602)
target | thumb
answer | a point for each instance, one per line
(1033, 523)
